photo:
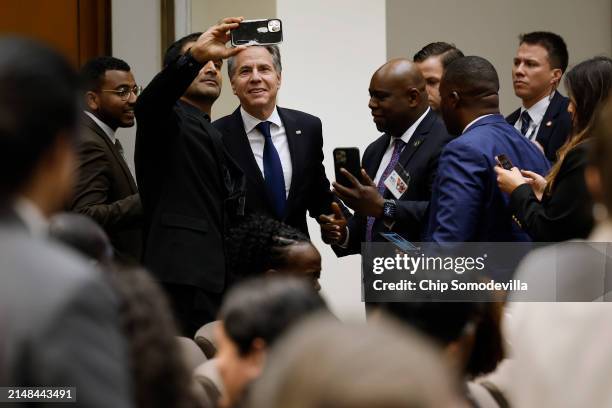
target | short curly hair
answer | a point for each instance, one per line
(257, 244)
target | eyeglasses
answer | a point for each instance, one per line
(125, 92)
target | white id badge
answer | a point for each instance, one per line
(397, 182)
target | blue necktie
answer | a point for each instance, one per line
(525, 122)
(273, 171)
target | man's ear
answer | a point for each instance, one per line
(556, 77)
(280, 80)
(257, 357)
(92, 101)
(454, 98)
(414, 96)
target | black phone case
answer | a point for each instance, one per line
(348, 158)
(256, 32)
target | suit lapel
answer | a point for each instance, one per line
(418, 137)
(118, 158)
(550, 116)
(294, 134)
(238, 145)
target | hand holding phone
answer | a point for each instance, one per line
(347, 158)
(258, 32)
(504, 161)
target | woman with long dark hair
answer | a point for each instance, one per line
(559, 207)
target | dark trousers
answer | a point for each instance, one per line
(192, 307)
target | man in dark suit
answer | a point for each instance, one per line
(540, 62)
(58, 314)
(432, 60)
(106, 190)
(467, 204)
(280, 150)
(414, 136)
(190, 189)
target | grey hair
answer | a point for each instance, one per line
(272, 49)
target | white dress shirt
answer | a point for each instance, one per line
(536, 113)
(279, 139)
(107, 130)
(474, 121)
(389, 152)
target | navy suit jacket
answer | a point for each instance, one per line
(467, 204)
(309, 185)
(420, 159)
(555, 128)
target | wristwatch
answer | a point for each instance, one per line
(389, 209)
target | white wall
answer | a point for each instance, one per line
(490, 28)
(136, 38)
(329, 53)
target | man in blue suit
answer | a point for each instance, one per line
(466, 204)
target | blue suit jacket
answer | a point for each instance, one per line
(466, 204)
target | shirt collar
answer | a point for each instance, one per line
(109, 132)
(538, 110)
(410, 131)
(251, 121)
(475, 120)
(32, 217)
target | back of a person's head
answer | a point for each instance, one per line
(472, 76)
(601, 151)
(83, 234)
(92, 72)
(159, 374)
(176, 48)
(38, 103)
(258, 244)
(552, 43)
(589, 84)
(324, 363)
(263, 308)
(447, 52)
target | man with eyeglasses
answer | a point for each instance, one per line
(106, 190)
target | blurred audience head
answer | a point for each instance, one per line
(432, 60)
(539, 64)
(324, 363)
(469, 332)
(397, 96)
(206, 87)
(599, 172)
(260, 245)
(110, 91)
(38, 122)
(159, 374)
(588, 84)
(253, 316)
(83, 234)
(469, 89)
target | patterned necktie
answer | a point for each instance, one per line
(525, 122)
(397, 150)
(273, 171)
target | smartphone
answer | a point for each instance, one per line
(258, 32)
(347, 158)
(399, 241)
(504, 161)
